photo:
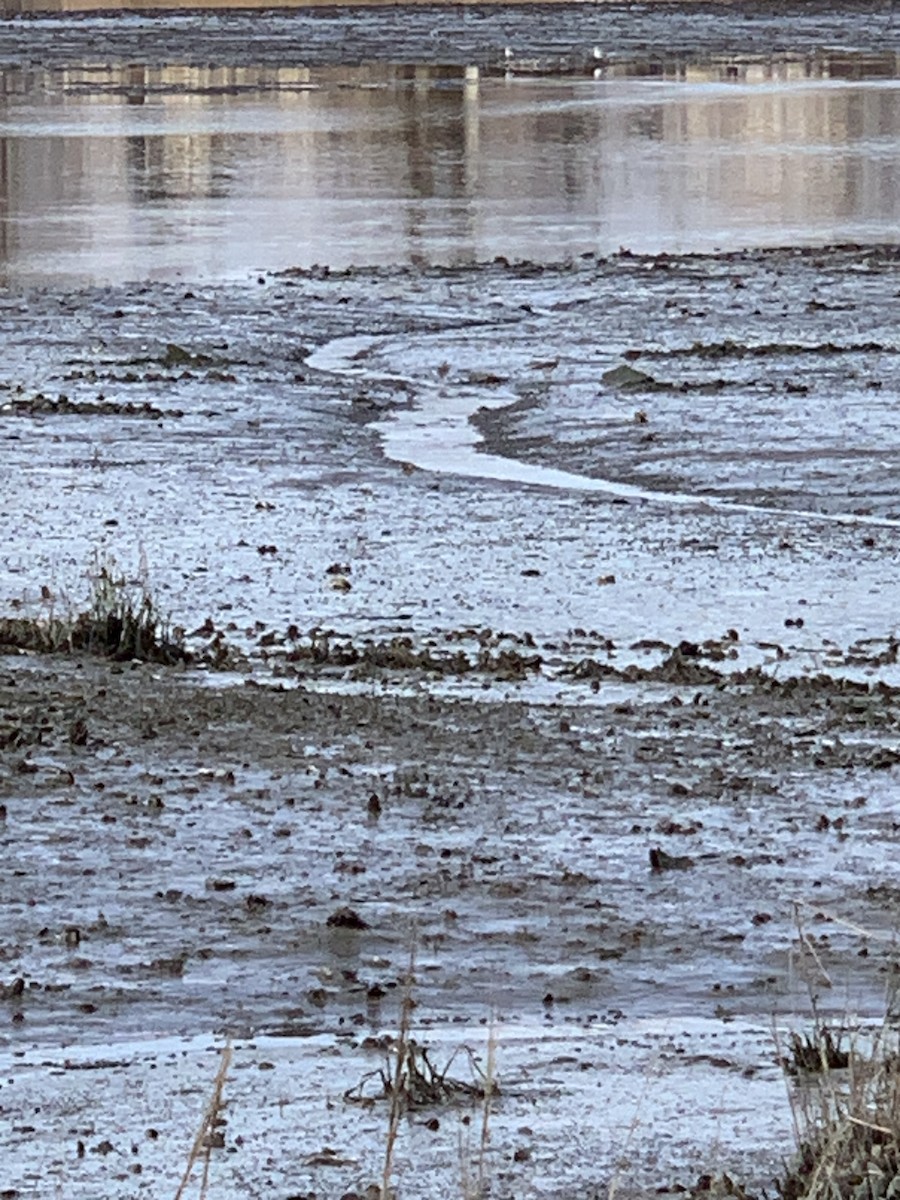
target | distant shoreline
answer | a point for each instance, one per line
(13, 8)
(464, 33)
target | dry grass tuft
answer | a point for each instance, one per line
(847, 1109)
(410, 1082)
(209, 1135)
(820, 1051)
(475, 1182)
(122, 622)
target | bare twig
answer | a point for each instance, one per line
(808, 943)
(203, 1142)
(489, 1073)
(400, 1068)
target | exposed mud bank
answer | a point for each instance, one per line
(633, 886)
(515, 836)
(616, 749)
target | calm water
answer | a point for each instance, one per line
(125, 173)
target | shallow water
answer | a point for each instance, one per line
(111, 174)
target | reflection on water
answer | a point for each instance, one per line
(108, 174)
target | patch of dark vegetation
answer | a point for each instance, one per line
(816, 1053)
(848, 1116)
(411, 1081)
(41, 405)
(174, 362)
(626, 378)
(681, 666)
(401, 654)
(180, 357)
(732, 349)
(122, 623)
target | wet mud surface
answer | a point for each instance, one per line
(583, 683)
(180, 853)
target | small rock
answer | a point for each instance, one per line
(660, 861)
(627, 378)
(78, 733)
(10, 991)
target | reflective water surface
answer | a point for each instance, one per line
(109, 174)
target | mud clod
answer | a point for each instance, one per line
(347, 918)
(661, 861)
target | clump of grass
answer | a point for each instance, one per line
(847, 1111)
(817, 1052)
(121, 622)
(410, 1081)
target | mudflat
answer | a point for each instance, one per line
(530, 665)
(48, 34)
(607, 755)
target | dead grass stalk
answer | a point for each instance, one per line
(846, 1104)
(208, 1135)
